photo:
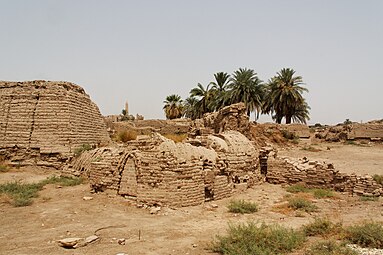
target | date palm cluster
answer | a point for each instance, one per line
(281, 96)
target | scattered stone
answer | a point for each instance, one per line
(87, 198)
(154, 210)
(70, 242)
(121, 241)
(91, 239)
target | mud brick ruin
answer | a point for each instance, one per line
(155, 170)
(285, 170)
(43, 122)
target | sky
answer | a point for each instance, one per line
(142, 51)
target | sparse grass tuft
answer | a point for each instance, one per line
(368, 234)
(378, 178)
(178, 138)
(298, 203)
(318, 193)
(368, 199)
(321, 227)
(127, 135)
(64, 181)
(296, 188)
(84, 147)
(242, 206)
(323, 193)
(23, 193)
(246, 239)
(329, 247)
(310, 148)
(3, 168)
(20, 193)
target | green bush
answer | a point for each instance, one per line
(378, 178)
(329, 248)
(368, 234)
(298, 203)
(241, 206)
(289, 135)
(320, 226)
(249, 239)
(84, 147)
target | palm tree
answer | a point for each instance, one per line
(173, 107)
(219, 90)
(246, 87)
(190, 108)
(284, 97)
(204, 97)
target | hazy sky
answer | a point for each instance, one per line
(142, 51)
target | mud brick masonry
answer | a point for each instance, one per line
(43, 122)
(155, 170)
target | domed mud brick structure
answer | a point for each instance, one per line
(44, 122)
(154, 169)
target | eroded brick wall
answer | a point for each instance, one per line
(50, 118)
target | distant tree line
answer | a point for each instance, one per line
(281, 96)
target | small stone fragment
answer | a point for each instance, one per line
(154, 210)
(70, 242)
(87, 198)
(91, 239)
(121, 241)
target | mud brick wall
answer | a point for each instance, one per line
(366, 131)
(222, 188)
(285, 170)
(51, 117)
(155, 170)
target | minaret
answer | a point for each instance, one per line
(126, 108)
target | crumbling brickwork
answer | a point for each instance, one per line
(156, 170)
(232, 117)
(44, 118)
(285, 170)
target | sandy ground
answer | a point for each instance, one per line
(61, 212)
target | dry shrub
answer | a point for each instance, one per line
(242, 206)
(249, 239)
(178, 138)
(127, 135)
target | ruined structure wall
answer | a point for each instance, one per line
(366, 131)
(320, 175)
(51, 117)
(156, 170)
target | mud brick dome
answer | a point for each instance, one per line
(44, 119)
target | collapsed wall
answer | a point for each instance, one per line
(156, 170)
(44, 122)
(285, 170)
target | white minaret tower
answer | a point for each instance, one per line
(127, 107)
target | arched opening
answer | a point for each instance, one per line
(128, 184)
